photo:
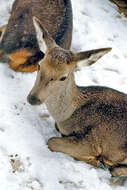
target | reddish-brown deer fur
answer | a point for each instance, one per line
(19, 39)
(92, 120)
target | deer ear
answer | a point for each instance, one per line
(44, 39)
(90, 57)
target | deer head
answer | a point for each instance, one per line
(56, 68)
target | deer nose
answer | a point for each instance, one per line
(33, 100)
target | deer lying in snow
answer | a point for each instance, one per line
(92, 120)
(18, 39)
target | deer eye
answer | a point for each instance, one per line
(38, 66)
(63, 78)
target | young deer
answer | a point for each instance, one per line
(92, 120)
(18, 40)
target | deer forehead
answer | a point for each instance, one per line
(59, 56)
(51, 69)
(56, 61)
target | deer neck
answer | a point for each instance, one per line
(62, 103)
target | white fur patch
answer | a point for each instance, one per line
(40, 39)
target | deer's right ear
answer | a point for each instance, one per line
(44, 39)
(90, 57)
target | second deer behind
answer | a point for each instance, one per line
(18, 39)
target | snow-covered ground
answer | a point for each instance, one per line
(26, 163)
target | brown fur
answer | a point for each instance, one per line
(54, 15)
(92, 120)
(96, 132)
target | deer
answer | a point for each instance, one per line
(18, 40)
(92, 120)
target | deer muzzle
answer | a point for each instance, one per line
(33, 100)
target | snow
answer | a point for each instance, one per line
(26, 163)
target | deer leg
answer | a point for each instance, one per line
(119, 175)
(2, 29)
(2, 55)
(74, 147)
(1, 52)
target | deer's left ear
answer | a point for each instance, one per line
(90, 57)
(44, 39)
